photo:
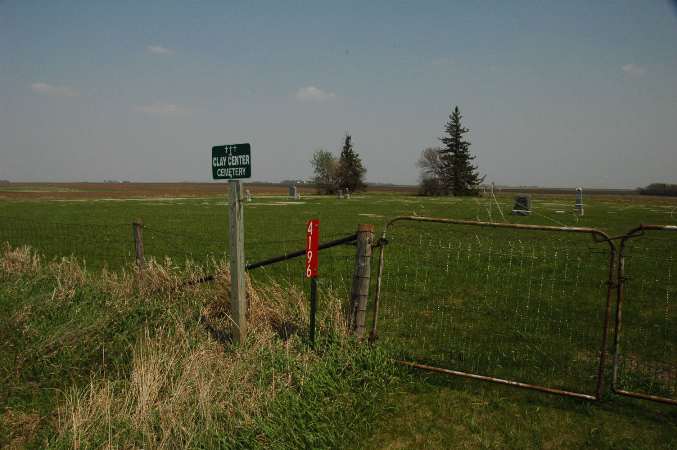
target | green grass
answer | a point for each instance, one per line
(429, 411)
(520, 305)
(99, 360)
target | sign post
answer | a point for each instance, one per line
(312, 253)
(233, 162)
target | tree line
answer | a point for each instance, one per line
(345, 172)
(664, 189)
(445, 170)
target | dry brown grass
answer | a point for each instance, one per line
(182, 382)
(16, 261)
(185, 380)
(69, 277)
(20, 426)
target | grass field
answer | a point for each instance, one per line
(525, 306)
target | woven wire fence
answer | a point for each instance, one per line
(96, 245)
(646, 354)
(199, 239)
(515, 304)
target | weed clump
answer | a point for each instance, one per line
(137, 359)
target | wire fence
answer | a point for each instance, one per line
(97, 245)
(112, 246)
(645, 363)
(509, 303)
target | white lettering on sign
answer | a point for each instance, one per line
(231, 172)
(232, 160)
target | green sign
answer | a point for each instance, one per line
(231, 162)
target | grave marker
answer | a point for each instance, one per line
(579, 201)
(522, 205)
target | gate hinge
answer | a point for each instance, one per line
(380, 242)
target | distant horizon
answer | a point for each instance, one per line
(281, 182)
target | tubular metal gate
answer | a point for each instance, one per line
(522, 305)
(645, 362)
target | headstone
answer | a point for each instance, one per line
(293, 192)
(579, 201)
(248, 195)
(339, 193)
(347, 193)
(522, 205)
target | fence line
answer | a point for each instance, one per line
(494, 301)
(520, 277)
(645, 366)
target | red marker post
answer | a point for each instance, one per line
(312, 264)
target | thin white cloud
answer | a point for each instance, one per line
(634, 70)
(162, 109)
(314, 94)
(159, 50)
(53, 91)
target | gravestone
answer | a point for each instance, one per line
(339, 193)
(294, 192)
(522, 205)
(347, 193)
(579, 201)
(248, 195)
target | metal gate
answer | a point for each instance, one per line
(522, 305)
(645, 341)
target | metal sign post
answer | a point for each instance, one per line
(233, 162)
(312, 253)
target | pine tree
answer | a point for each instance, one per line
(350, 170)
(459, 175)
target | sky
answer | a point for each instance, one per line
(574, 93)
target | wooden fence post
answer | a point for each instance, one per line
(359, 294)
(238, 297)
(137, 231)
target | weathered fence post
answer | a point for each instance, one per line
(137, 231)
(238, 297)
(359, 294)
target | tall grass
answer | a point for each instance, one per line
(139, 360)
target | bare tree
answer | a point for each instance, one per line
(432, 172)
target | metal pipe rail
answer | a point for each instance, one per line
(620, 297)
(280, 258)
(296, 254)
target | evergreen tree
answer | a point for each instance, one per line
(350, 169)
(459, 175)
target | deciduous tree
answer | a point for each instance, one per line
(325, 168)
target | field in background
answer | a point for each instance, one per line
(187, 221)
(198, 212)
(19, 191)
